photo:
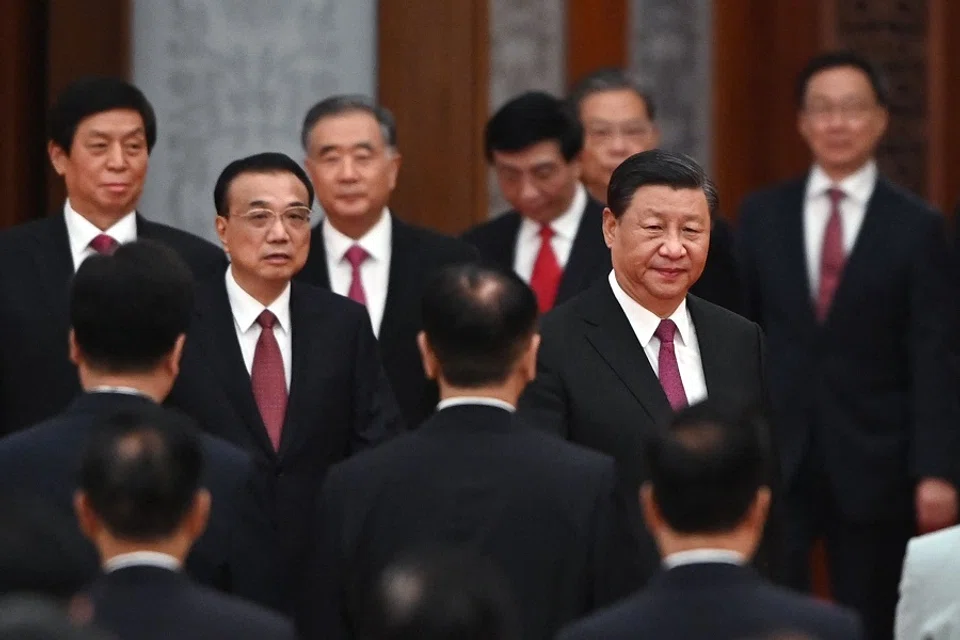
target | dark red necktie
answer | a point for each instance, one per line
(356, 256)
(268, 379)
(104, 244)
(545, 279)
(669, 369)
(832, 256)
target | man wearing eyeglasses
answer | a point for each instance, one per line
(849, 278)
(287, 371)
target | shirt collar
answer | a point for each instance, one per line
(81, 231)
(697, 556)
(246, 309)
(376, 242)
(140, 559)
(567, 223)
(644, 321)
(129, 391)
(464, 400)
(857, 186)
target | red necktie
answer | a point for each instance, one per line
(268, 379)
(104, 244)
(356, 256)
(669, 370)
(545, 278)
(832, 256)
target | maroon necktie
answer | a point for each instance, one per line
(356, 256)
(268, 379)
(545, 279)
(668, 367)
(104, 244)
(831, 257)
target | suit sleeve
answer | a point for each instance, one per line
(616, 563)
(377, 416)
(544, 403)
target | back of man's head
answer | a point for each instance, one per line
(708, 473)
(128, 310)
(478, 322)
(140, 478)
(445, 595)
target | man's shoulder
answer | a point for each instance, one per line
(433, 246)
(202, 255)
(622, 620)
(720, 319)
(47, 434)
(772, 200)
(12, 238)
(938, 551)
(495, 229)
(313, 299)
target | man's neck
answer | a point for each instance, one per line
(597, 191)
(150, 385)
(839, 173)
(265, 292)
(102, 220)
(741, 542)
(355, 227)
(174, 547)
(661, 308)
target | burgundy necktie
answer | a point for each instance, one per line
(832, 256)
(356, 256)
(104, 244)
(268, 379)
(545, 279)
(667, 364)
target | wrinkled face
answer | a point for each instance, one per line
(352, 168)
(659, 245)
(616, 125)
(537, 181)
(267, 230)
(106, 166)
(841, 119)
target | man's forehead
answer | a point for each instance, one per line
(544, 152)
(347, 129)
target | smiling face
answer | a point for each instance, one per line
(659, 245)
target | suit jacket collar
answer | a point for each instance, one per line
(468, 418)
(104, 401)
(704, 575)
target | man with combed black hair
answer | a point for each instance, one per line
(706, 504)
(141, 502)
(473, 476)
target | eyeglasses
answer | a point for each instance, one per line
(294, 218)
(604, 132)
(846, 110)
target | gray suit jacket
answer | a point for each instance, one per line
(929, 607)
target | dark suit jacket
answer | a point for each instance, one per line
(471, 476)
(340, 401)
(715, 601)
(416, 254)
(37, 379)
(874, 385)
(235, 552)
(589, 257)
(720, 281)
(151, 603)
(595, 386)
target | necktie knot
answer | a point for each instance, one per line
(267, 319)
(356, 256)
(666, 331)
(104, 244)
(836, 195)
(546, 232)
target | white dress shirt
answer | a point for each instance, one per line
(857, 188)
(375, 270)
(565, 229)
(140, 559)
(644, 324)
(81, 231)
(246, 309)
(464, 400)
(699, 556)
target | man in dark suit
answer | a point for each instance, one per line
(361, 249)
(849, 277)
(288, 371)
(473, 475)
(129, 314)
(706, 504)
(101, 134)
(552, 236)
(619, 357)
(619, 120)
(142, 504)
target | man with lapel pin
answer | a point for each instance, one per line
(287, 371)
(101, 131)
(361, 249)
(617, 359)
(849, 276)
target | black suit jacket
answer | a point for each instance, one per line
(874, 385)
(720, 281)
(340, 401)
(37, 379)
(715, 601)
(471, 476)
(589, 257)
(416, 254)
(235, 553)
(150, 603)
(595, 386)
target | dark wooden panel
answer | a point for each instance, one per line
(433, 74)
(596, 36)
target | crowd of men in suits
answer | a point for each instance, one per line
(604, 413)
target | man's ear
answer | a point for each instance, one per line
(427, 357)
(86, 518)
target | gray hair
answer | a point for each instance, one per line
(609, 79)
(348, 103)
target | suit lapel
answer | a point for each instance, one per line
(300, 404)
(794, 251)
(53, 261)
(587, 244)
(504, 252)
(401, 283)
(720, 367)
(610, 333)
(315, 272)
